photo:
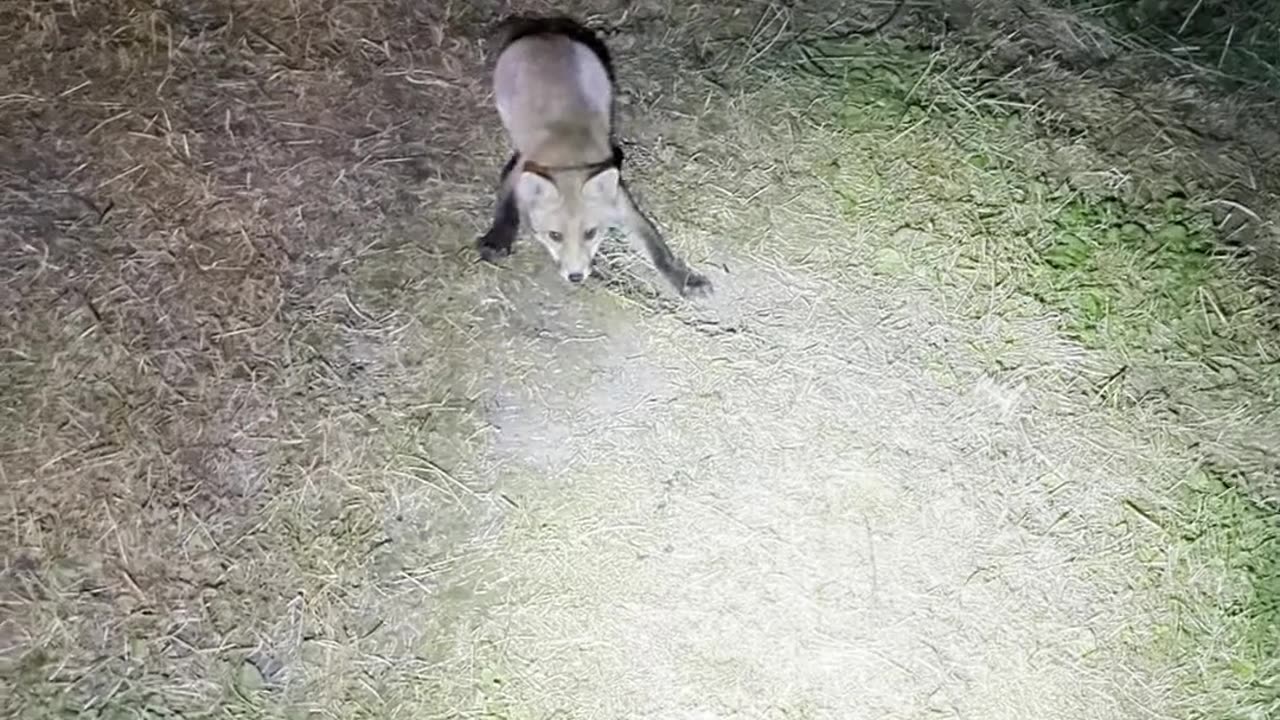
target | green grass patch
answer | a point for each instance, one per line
(1144, 278)
(879, 79)
(1232, 612)
(1144, 282)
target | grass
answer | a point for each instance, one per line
(1225, 558)
(1143, 282)
(249, 398)
(1238, 39)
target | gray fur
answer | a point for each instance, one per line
(554, 94)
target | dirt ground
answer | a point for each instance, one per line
(275, 443)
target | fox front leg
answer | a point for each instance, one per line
(644, 234)
(497, 241)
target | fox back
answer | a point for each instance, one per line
(554, 94)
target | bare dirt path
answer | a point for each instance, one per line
(798, 519)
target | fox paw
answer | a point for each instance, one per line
(494, 246)
(696, 285)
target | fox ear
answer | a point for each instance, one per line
(536, 189)
(602, 187)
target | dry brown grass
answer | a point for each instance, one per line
(186, 192)
(248, 363)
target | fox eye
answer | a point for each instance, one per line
(555, 236)
(590, 233)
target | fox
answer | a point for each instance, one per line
(553, 85)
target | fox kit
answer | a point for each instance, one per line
(553, 85)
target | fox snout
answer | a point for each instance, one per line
(575, 272)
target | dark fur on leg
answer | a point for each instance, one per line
(498, 240)
(672, 267)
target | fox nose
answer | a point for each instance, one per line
(575, 277)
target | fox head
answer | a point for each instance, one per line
(570, 215)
